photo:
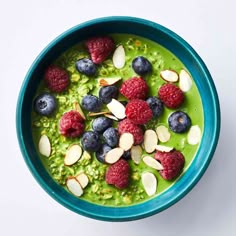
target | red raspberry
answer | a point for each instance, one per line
(57, 79)
(127, 126)
(135, 87)
(71, 124)
(138, 111)
(100, 48)
(171, 95)
(118, 174)
(173, 163)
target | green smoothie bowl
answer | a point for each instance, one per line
(118, 118)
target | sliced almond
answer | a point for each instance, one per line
(111, 117)
(169, 75)
(73, 154)
(151, 162)
(114, 155)
(150, 140)
(136, 154)
(185, 81)
(163, 148)
(163, 133)
(116, 108)
(119, 57)
(82, 178)
(194, 135)
(126, 141)
(79, 109)
(98, 113)
(149, 182)
(74, 186)
(44, 145)
(108, 81)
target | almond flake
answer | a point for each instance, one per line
(116, 108)
(74, 186)
(82, 179)
(163, 148)
(98, 113)
(119, 57)
(149, 182)
(194, 135)
(114, 155)
(151, 162)
(79, 109)
(44, 146)
(136, 154)
(111, 117)
(169, 75)
(108, 81)
(150, 140)
(185, 81)
(73, 154)
(163, 133)
(126, 141)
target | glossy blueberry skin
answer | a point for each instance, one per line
(101, 153)
(91, 103)
(106, 93)
(86, 66)
(100, 124)
(45, 104)
(141, 65)
(156, 106)
(111, 137)
(91, 141)
(127, 155)
(179, 122)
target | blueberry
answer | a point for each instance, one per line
(45, 104)
(91, 141)
(141, 65)
(179, 122)
(103, 150)
(126, 155)
(111, 137)
(86, 66)
(100, 124)
(106, 93)
(156, 106)
(91, 103)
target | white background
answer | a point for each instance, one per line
(28, 26)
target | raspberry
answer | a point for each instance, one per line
(57, 79)
(173, 163)
(100, 48)
(127, 126)
(118, 174)
(71, 124)
(171, 95)
(138, 111)
(135, 87)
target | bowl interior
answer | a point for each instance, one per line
(187, 56)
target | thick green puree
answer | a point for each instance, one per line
(97, 190)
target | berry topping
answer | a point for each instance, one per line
(91, 103)
(126, 155)
(57, 79)
(156, 106)
(45, 104)
(111, 137)
(141, 65)
(107, 93)
(138, 111)
(86, 66)
(118, 174)
(127, 126)
(100, 124)
(91, 141)
(172, 162)
(71, 124)
(100, 48)
(171, 95)
(135, 87)
(179, 122)
(102, 151)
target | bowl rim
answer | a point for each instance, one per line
(190, 185)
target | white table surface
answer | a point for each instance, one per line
(27, 27)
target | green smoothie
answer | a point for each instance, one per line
(98, 191)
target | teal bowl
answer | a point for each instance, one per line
(187, 56)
